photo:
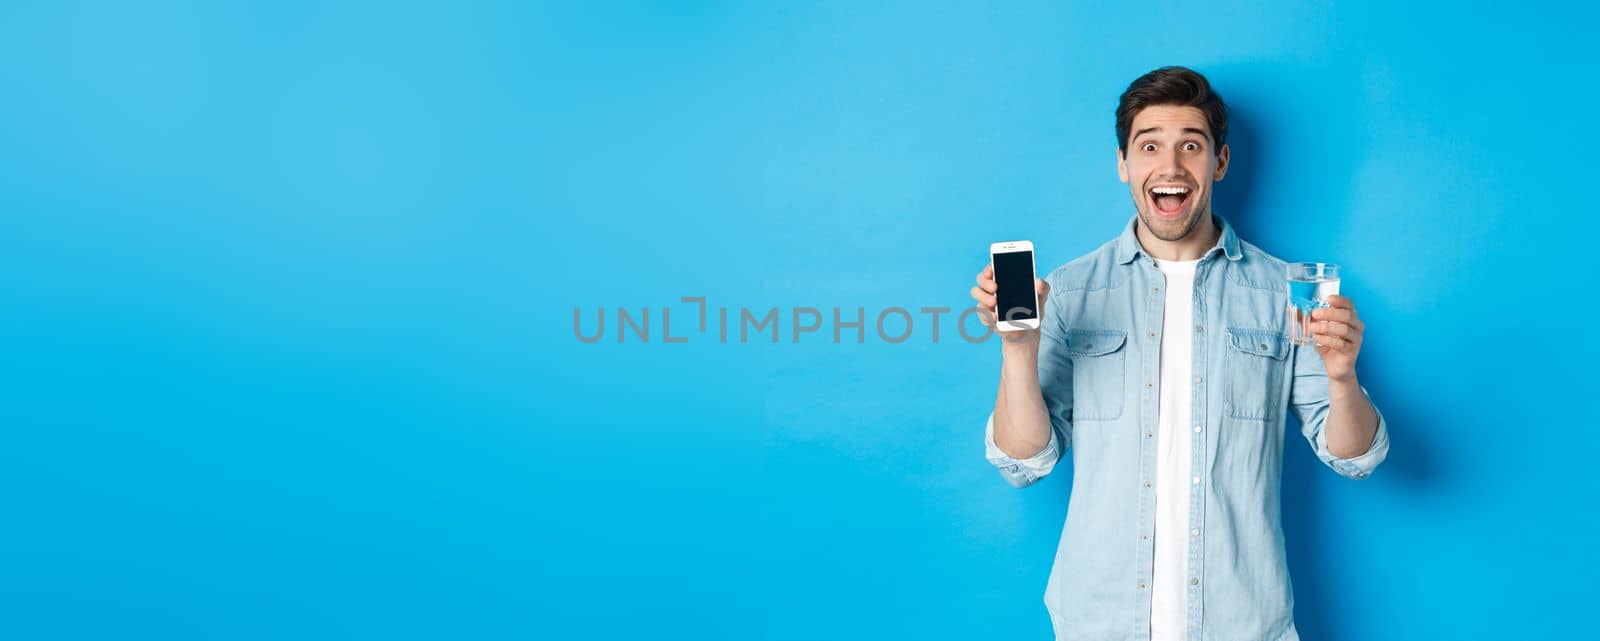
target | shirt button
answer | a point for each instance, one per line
(1147, 384)
(1194, 581)
(1196, 480)
(1199, 328)
(1141, 585)
(1155, 290)
(1194, 532)
(1197, 379)
(1147, 435)
(1147, 484)
(1197, 429)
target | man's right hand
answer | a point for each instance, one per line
(984, 294)
(1021, 420)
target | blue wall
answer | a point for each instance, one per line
(288, 310)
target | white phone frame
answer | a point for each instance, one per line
(1011, 247)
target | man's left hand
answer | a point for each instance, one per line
(1336, 329)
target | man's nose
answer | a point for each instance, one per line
(1170, 166)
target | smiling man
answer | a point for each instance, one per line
(1162, 362)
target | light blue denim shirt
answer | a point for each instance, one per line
(1099, 354)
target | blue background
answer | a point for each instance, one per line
(289, 288)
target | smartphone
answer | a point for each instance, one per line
(1016, 301)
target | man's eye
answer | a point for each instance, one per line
(1149, 146)
(1189, 146)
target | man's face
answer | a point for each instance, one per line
(1169, 166)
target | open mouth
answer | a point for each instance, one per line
(1169, 199)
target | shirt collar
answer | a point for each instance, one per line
(1128, 246)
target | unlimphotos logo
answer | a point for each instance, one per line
(741, 324)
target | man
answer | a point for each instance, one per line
(1163, 363)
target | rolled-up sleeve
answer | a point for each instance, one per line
(1308, 396)
(1021, 473)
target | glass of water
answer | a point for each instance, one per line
(1310, 285)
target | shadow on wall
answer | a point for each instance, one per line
(1270, 103)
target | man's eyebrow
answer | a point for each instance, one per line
(1144, 131)
(1188, 130)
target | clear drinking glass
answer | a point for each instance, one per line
(1310, 285)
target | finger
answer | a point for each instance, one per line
(1342, 315)
(986, 317)
(986, 281)
(1350, 333)
(1332, 314)
(1330, 342)
(1319, 346)
(1042, 287)
(987, 275)
(1335, 328)
(1344, 303)
(983, 298)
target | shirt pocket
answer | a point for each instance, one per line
(1255, 370)
(1099, 372)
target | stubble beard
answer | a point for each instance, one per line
(1175, 232)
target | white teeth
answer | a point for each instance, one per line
(1173, 191)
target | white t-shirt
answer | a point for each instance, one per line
(1169, 618)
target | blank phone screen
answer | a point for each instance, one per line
(1015, 298)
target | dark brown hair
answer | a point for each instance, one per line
(1178, 86)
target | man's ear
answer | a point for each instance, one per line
(1222, 165)
(1122, 165)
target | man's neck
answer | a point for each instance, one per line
(1200, 240)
